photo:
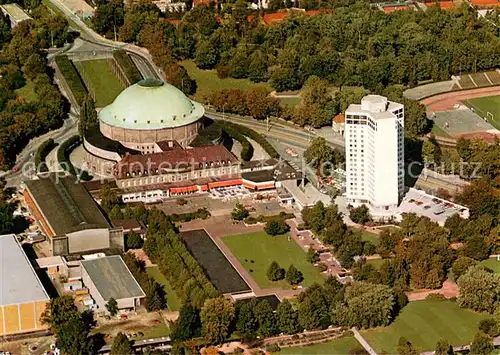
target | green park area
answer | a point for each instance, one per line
(337, 346)
(424, 323)
(487, 107)
(208, 81)
(492, 263)
(256, 251)
(27, 92)
(173, 301)
(438, 131)
(105, 83)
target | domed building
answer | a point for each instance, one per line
(148, 112)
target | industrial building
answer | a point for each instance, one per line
(22, 295)
(108, 277)
(15, 14)
(69, 216)
(374, 140)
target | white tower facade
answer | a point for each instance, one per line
(374, 140)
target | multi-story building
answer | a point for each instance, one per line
(374, 139)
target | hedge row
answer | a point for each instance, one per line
(41, 154)
(127, 65)
(63, 153)
(265, 219)
(250, 133)
(201, 213)
(72, 78)
(234, 131)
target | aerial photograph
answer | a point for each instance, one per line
(250, 177)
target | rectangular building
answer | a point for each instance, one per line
(22, 295)
(108, 277)
(374, 140)
(69, 216)
(15, 13)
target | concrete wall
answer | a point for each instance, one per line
(22, 318)
(89, 239)
(116, 239)
(87, 281)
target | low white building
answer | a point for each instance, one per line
(108, 277)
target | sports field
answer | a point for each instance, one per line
(173, 302)
(487, 107)
(106, 84)
(335, 347)
(256, 251)
(423, 323)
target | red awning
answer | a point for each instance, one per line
(203, 187)
(224, 183)
(265, 186)
(181, 190)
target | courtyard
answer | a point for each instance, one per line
(255, 252)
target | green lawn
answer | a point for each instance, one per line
(289, 102)
(155, 331)
(208, 81)
(376, 263)
(492, 263)
(27, 92)
(423, 323)
(335, 347)
(367, 236)
(173, 301)
(483, 105)
(106, 84)
(256, 251)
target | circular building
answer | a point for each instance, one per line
(148, 112)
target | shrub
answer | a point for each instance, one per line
(201, 213)
(72, 78)
(127, 65)
(276, 227)
(251, 220)
(41, 154)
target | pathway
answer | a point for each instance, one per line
(363, 342)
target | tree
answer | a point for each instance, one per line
(319, 153)
(239, 212)
(293, 276)
(360, 215)
(115, 213)
(405, 347)
(313, 307)
(216, 317)
(246, 323)
(73, 337)
(121, 345)
(287, 319)
(35, 64)
(58, 312)
(489, 326)
(109, 198)
(312, 256)
(477, 248)
(482, 344)
(461, 265)
(479, 289)
(188, 325)
(266, 319)
(112, 306)
(276, 227)
(443, 348)
(205, 56)
(133, 240)
(275, 272)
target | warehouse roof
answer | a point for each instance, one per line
(112, 278)
(66, 204)
(19, 282)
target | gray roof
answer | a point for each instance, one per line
(18, 280)
(66, 204)
(112, 278)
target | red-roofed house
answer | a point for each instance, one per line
(338, 123)
(485, 3)
(390, 9)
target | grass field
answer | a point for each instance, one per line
(289, 102)
(423, 323)
(367, 236)
(208, 81)
(438, 131)
(173, 301)
(256, 251)
(106, 84)
(27, 92)
(335, 347)
(493, 264)
(482, 105)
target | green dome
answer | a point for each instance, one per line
(151, 104)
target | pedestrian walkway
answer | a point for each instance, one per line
(363, 342)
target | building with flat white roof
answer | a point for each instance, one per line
(22, 295)
(374, 140)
